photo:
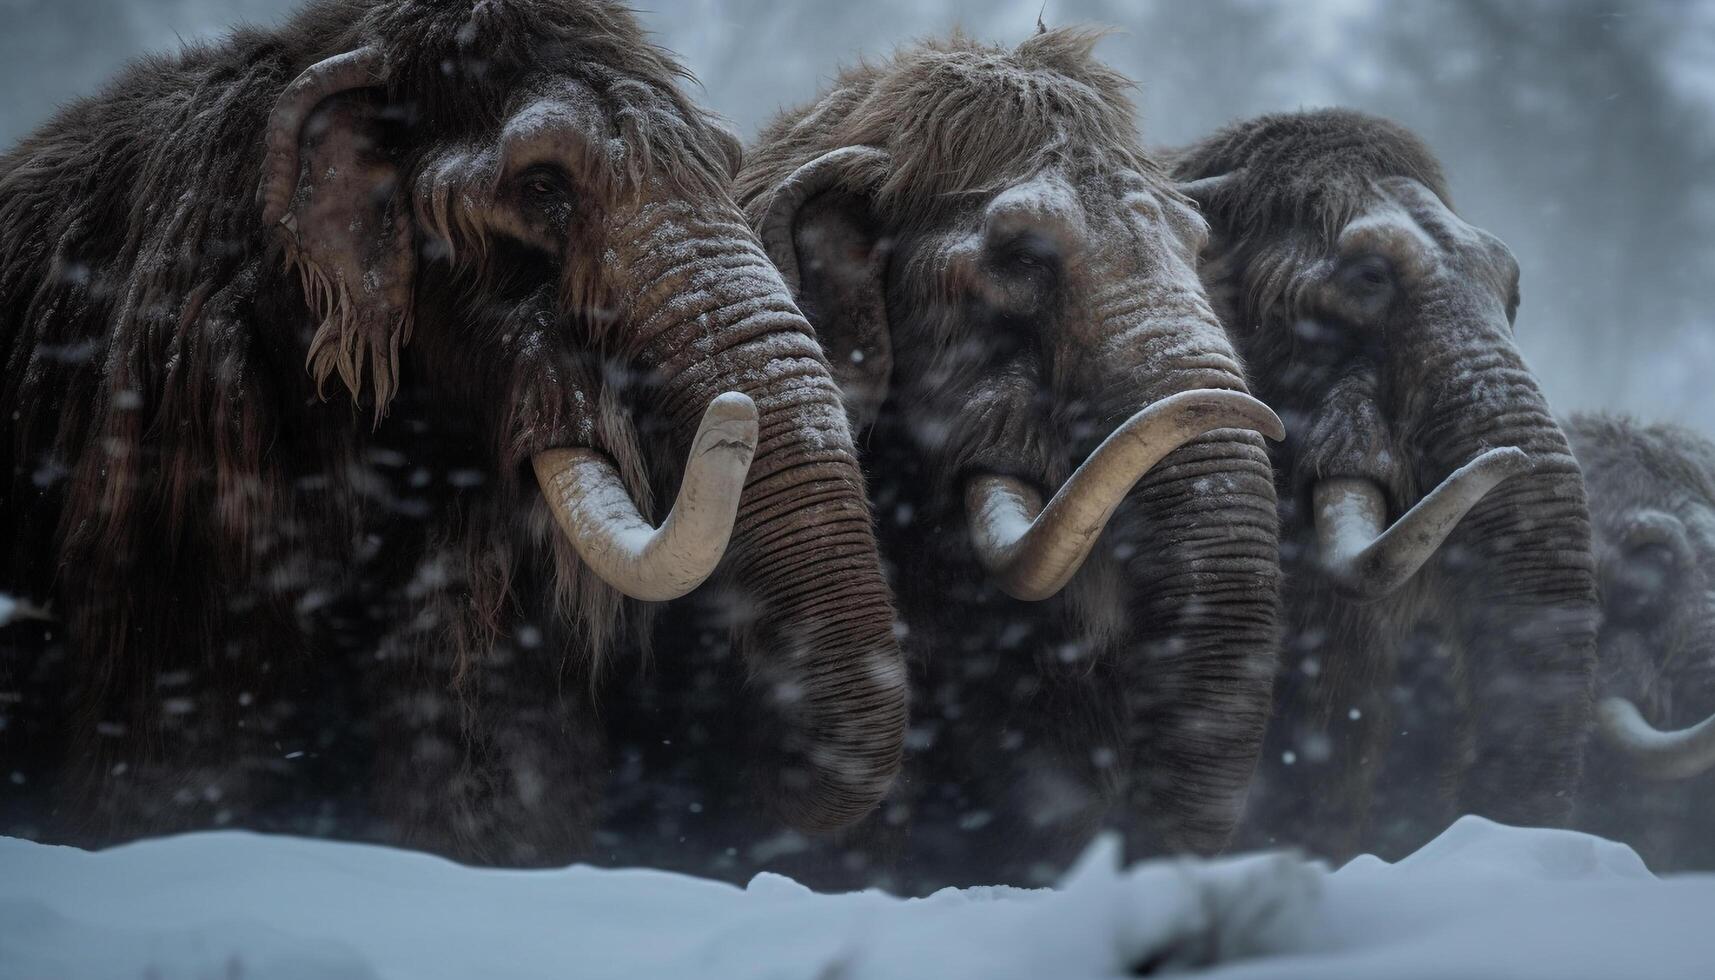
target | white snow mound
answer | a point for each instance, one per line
(1483, 900)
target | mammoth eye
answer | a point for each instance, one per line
(1030, 255)
(1649, 567)
(1657, 558)
(1367, 276)
(544, 185)
(1639, 585)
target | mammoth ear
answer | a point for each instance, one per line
(1207, 192)
(333, 193)
(821, 232)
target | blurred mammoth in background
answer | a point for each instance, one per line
(1647, 781)
(1006, 289)
(504, 228)
(1435, 541)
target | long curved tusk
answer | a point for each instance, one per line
(1351, 514)
(594, 509)
(1034, 550)
(1659, 755)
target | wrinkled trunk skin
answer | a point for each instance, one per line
(816, 620)
(1198, 661)
(1468, 690)
(1526, 602)
(1194, 557)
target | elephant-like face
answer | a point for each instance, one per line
(1656, 571)
(1016, 330)
(1025, 325)
(1379, 324)
(518, 212)
(1388, 348)
(1007, 290)
(1652, 503)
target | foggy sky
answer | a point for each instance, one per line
(1581, 132)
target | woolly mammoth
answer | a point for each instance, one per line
(575, 376)
(1652, 506)
(1068, 472)
(1435, 540)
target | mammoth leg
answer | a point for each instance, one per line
(177, 740)
(1419, 711)
(517, 786)
(1315, 781)
(492, 760)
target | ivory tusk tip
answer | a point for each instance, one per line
(1258, 416)
(1227, 408)
(1615, 710)
(732, 406)
(1270, 425)
(729, 424)
(1501, 464)
(1510, 458)
(738, 438)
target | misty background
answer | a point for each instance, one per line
(1582, 132)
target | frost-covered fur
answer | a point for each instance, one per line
(1377, 324)
(1000, 279)
(255, 586)
(1652, 504)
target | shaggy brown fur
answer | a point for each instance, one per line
(1311, 171)
(959, 118)
(1011, 277)
(244, 568)
(1652, 500)
(1388, 353)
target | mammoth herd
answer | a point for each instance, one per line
(904, 498)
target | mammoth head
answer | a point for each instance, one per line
(979, 241)
(1652, 501)
(509, 211)
(335, 188)
(1380, 323)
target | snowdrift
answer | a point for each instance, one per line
(1483, 900)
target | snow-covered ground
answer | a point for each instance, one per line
(1483, 900)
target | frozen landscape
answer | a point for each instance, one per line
(1481, 901)
(228, 601)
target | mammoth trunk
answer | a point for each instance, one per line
(1525, 600)
(1198, 656)
(817, 619)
